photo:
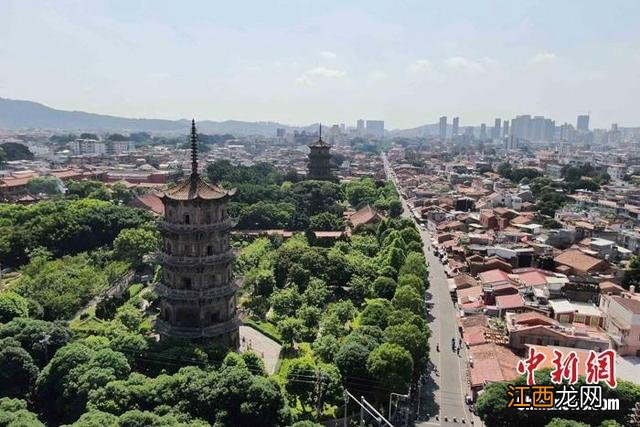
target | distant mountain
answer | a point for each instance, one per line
(420, 131)
(16, 115)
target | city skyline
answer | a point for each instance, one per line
(294, 62)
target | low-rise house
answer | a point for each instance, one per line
(473, 329)
(574, 261)
(461, 281)
(509, 303)
(366, 215)
(490, 363)
(565, 311)
(536, 328)
(622, 322)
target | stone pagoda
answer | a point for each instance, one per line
(320, 160)
(198, 289)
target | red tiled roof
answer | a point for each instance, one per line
(335, 234)
(194, 187)
(533, 278)
(492, 363)
(633, 305)
(506, 302)
(578, 260)
(151, 202)
(364, 216)
(532, 317)
(493, 276)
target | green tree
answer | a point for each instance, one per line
(44, 184)
(407, 297)
(303, 391)
(395, 208)
(290, 330)
(392, 365)
(61, 286)
(560, 422)
(376, 313)
(326, 221)
(133, 243)
(632, 273)
(395, 258)
(18, 372)
(76, 369)
(351, 360)
(121, 193)
(40, 338)
(88, 189)
(14, 413)
(12, 305)
(415, 263)
(316, 293)
(16, 151)
(285, 302)
(505, 170)
(412, 339)
(384, 287)
(326, 347)
(412, 281)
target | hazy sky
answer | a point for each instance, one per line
(297, 62)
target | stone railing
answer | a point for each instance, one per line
(187, 294)
(186, 228)
(196, 260)
(218, 329)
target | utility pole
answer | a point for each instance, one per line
(319, 386)
(346, 404)
(45, 340)
(367, 409)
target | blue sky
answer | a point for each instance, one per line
(298, 62)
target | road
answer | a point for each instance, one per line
(442, 399)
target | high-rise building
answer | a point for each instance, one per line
(505, 127)
(567, 133)
(483, 131)
(280, 132)
(375, 128)
(496, 132)
(443, 128)
(520, 126)
(90, 147)
(197, 290)
(582, 124)
(455, 126)
(320, 160)
(360, 126)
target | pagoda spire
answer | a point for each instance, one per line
(194, 148)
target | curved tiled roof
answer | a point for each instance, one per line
(319, 143)
(195, 187)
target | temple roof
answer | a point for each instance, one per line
(194, 187)
(320, 143)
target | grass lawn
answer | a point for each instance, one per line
(267, 328)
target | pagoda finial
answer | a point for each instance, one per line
(194, 148)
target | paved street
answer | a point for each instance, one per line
(262, 345)
(442, 398)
